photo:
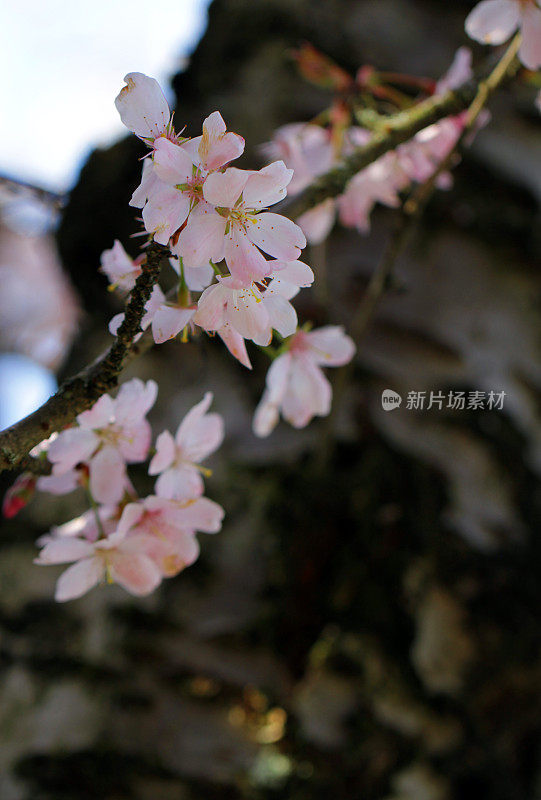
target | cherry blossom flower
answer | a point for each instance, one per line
(109, 435)
(216, 147)
(255, 310)
(116, 559)
(175, 185)
(380, 182)
(177, 460)
(153, 538)
(166, 528)
(494, 21)
(166, 317)
(296, 385)
(238, 227)
(143, 108)
(121, 270)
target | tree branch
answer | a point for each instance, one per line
(83, 389)
(397, 129)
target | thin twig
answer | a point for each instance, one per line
(411, 212)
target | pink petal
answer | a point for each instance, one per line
(317, 223)
(278, 377)
(268, 186)
(70, 448)
(198, 278)
(458, 73)
(134, 400)
(131, 515)
(244, 260)
(58, 484)
(276, 235)
(107, 476)
(223, 189)
(180, 483)
(493, 21)
(530, 49)
(134, 441)
(309, 393)
(235, 344)
(165, 453)
(119, 267)
(266, 416)
(171, 163)
(149, 184)
(202, 240)
(136, 573)
(64, 550)
(78, 579)
(202, 515)
(100, 415)
(165, 212)
(282, 315)
(330, 346)
(290, 277)
(211, 308)
(142, 106)
(200, 434)
(248, 315)
(168, 321)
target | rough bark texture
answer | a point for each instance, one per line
(369, 629)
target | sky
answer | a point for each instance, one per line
(62, 65)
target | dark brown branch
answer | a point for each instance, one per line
(82, 390)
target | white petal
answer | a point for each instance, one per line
(267, 186)
(223, 189)
(276, 235)
(78, 579)
(530, 49)
(168, 321)
(245, 262)
(165, 453)
(235, 344)
(198, 278)
(282, 315)
(309, 393)
(136, 573)
(317, 223)
(64, 550)
(134, 400)
(202, 240)
(107, 476)
(211, 308)
(142, 106)
(171, 163)
(71, 447)
(330, 346)
(165, 212)
(266, 416)
(182, 483)
(493, 21)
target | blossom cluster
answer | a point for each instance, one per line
(210, 214)
(122, 538)
(311, 150)
(238, 267)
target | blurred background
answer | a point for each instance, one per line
(367, 623)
